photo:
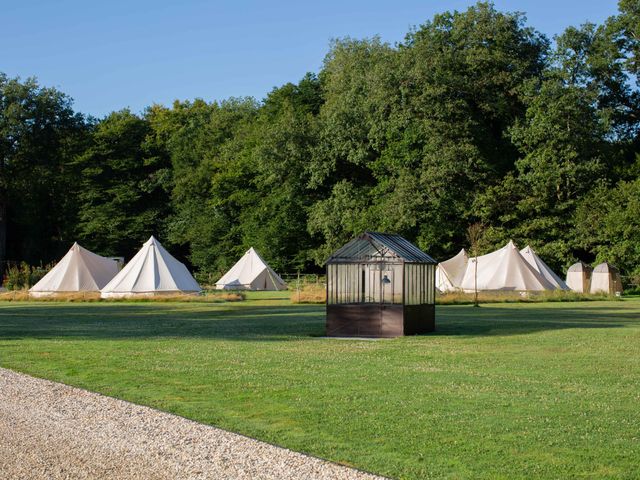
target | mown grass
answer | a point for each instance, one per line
(503, 391)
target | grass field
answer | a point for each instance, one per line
(503, 391)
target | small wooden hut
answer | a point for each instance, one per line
(380, 285)
(606, 279)
(579, 277)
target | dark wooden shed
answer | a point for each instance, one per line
(380, 285)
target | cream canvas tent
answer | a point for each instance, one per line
(504, 269)
(606, 278)
(450, 273)
(542, 268)
(251, 272)
(152, 271)
(579, 277)
(79, 271)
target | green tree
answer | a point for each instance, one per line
(416, 131)
(284, 134)
(39, 135)
(608, 225)
(211, 176)
(465, 75)
(124, 186)
(578, 133)
(357, 83)
(562, 147)
(626, 27)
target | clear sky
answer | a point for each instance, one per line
(113, 54)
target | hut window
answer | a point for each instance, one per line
(417, 280)
(364, 283)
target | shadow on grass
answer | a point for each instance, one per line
(516, 320)
(280, 323)
(122, 321)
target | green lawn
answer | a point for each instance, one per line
(508, 391)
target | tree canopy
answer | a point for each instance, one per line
(475, 117)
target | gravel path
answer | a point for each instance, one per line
(53, 431)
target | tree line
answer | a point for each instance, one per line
(474, 117)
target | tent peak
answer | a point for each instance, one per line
(152, 241)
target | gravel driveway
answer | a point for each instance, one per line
(53, 431)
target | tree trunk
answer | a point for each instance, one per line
(475, 283)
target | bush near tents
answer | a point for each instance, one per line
(23, 276)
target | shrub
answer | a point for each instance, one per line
(36, 273)
(206, 280)
(17, 277)
(632, 290)
(22, 276)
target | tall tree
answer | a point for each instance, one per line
(356, 85)
(414, 132)
(578, 134)
(39, 135)
(285, 133)
(124, 186)
(562, 147)
(608, 224)
(211, 175)
(465, 75)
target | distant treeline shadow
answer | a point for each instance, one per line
(521, 319)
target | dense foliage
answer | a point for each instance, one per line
(474, 117)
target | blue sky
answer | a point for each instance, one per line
(115, 54)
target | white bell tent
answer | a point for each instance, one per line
(579, 277)
(606, 278)
(542, 268)
(79, 271)
(504, 269)
(251, 272)
(450, 273)
(152, 271)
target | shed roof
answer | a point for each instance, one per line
(605, 268)
(374, 246)
(579, 267)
